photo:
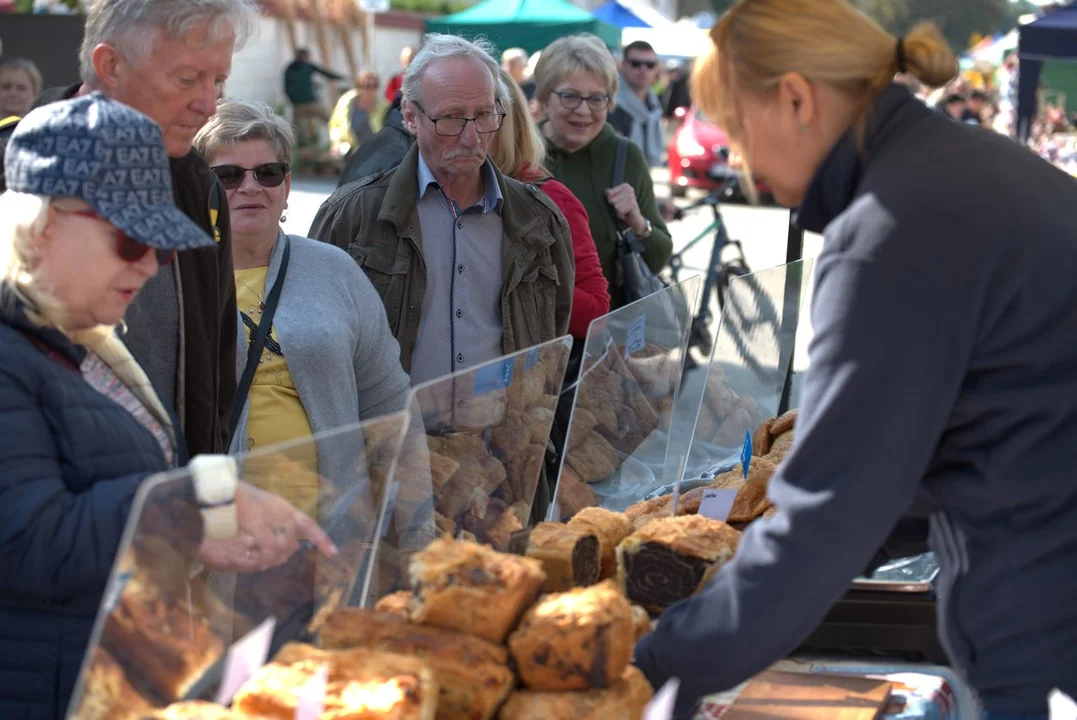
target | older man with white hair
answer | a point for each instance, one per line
(469, 264)
(169, 60)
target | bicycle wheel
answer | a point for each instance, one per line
(729, 271)
(750, 312)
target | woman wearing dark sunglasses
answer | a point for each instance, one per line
(81, 427)
(328, 358)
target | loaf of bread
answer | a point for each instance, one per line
(570, 555)
(668, 559)
(398, 603)
(166, 641)
(472, 589)
(108, 694)
(610, 528)
(472, 674)
(361, 685)
(624, 701)
(577, 640)
(199, 710)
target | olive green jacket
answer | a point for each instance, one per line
(376, 221)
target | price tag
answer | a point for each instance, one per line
(244, 658)
(664, 702)
(637, 336)
(746, 452)
(533, 356)
(495, 376)
(1061, 705)
(311, 697)
(716, 503)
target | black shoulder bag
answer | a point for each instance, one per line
(258, 342)
(637, 280)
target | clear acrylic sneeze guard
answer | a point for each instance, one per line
(168, 620)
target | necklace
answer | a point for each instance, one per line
(261, 300)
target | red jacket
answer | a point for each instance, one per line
(393, 87)
(591, 296)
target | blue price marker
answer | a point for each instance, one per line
(746, 452)
(495, 376)
(532, 358)
(637, 336)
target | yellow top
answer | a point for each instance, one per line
(276, 413)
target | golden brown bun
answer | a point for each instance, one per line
(783, 424)
(362, 685)
(624, 701)
(577, 640)
(472, 589)
(199, 710)
(761, 438)
(164, 640)
(668, 559)
(108, 694)
(780, 447)
(570, 555)
(398, 603)
(472, 673)
(751, 500)
(610, 528)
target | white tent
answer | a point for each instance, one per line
(678, 40)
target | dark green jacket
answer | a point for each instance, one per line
(588, 172)
(299, 81)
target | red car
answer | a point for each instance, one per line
(698, 156)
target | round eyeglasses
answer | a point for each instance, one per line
(571, 100)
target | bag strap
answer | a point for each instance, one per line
(258, 342)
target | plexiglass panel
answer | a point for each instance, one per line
(619, 432)
(473, 457)
(177, 601)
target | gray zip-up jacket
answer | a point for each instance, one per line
(944, 361)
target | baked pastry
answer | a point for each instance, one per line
(573, 494)
(472, 674)
(646, 510)
(523, 472)
(780, 447)
(751, 500)
(668, 559)
(570, 555)
(361, 685)
(398, 603)
(641, 621)
(441, 469)
(199, 710)
(513, 434)
(496, 526)
(768, 430)
(167, 642)
(479, 474)
(472, 589)
(576, 640)
(108, 694)
(583, 423)
(594, 460)
(527, 389)
(541, 419)
(624, 701)
(610, 528)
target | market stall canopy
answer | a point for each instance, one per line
(528, 24)
(1052, 37)
(631, 14)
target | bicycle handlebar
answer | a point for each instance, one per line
(712, 200)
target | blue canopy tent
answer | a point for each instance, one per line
(1052, 37)
(629, 14)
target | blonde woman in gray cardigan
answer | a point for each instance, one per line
(329, 359)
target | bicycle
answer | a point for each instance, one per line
(719, 271)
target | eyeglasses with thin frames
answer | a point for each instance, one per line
(571, 100)
(451, 127)
(129, 249)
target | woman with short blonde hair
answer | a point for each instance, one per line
(519, 151)
(20, 84)
(575, 84)
(943, 365)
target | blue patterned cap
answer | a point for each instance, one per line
(109, 155)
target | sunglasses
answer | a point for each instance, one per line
(268, 175)
(129, 249)
(649, 64)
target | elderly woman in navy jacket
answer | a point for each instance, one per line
(87, 219)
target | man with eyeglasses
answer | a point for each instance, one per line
(470, 264)
(638, 115)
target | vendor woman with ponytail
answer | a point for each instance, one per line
(943, 367)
